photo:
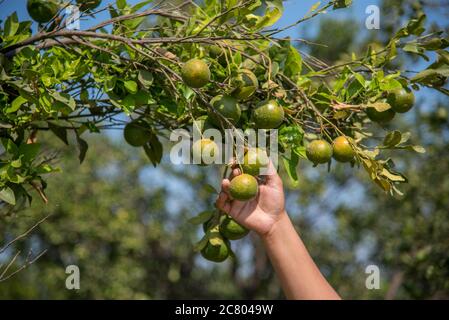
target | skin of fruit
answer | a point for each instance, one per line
(243, 187)
(88, 4)
(204, 149)
(216, 253)
(195, 73)
(217, 53)
(268, 115)
(254, 160)
(401, 100)
(319, 151)
(381, 117)
(136, 134)
(230, 229)
(228, 107)
(342, 150)
(249, 85)
(42, 11)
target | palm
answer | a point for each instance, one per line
(260, 213)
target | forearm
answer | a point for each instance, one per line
(299, 276)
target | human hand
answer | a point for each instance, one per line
(261, 213)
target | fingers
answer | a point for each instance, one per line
(222, 202)
(272, 178)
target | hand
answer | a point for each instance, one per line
(261, 213)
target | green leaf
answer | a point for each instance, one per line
(121, 4)
(16, 104)
(201, 217)
(201, 244)
(8, 196)
(11, 25)
(339, 4)
(64, 98)
(82, 146)
(29, 151)
(392, 139)
(145, 78)
(131, 86)
(290, 167)
(60, 132)
(154, 150)
(293, 63)
(210, 189)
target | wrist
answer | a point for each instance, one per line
(278, 227)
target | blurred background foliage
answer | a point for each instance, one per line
(124, 223)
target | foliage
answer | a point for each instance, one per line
(80, 81)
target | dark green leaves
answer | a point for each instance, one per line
(154, 150)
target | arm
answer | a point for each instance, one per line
(266, 215)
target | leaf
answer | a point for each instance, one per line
(210, 189)
(83, 146)
(29, 151)
(8, 196)
(64, 98)
(154, 150)
(16, 104)
(392, 139)
(11, 25)
(121, 4)
(395, 177)
(201, 217)
(290, 166)
(60, 132)
(293, 63)
(380, 106)
(418, 149)
(131, 86)
(273, 12)
(145, 78)
(339, 4)
(201, 244)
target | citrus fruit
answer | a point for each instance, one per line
(248, 85)
(342, 149)
(319, 151)
(217, 53)
(383, 116)
(254, 160)
(204, 150)
(268, 115)
(230, 229)
(401, 100)
(195, 73)
(42, 11)
(243, 187)
(216, 253)
(136, 133)
(228, 107)
(88, 4)
(201, 124)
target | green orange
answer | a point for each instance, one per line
(42, 11)
(342, 149)
(195, 73)
(205, 150)
(401, 100)
(248, 85)
(243, 187)
(254, 160)
(232, 230)
(319, 151)
(216, 253)
(136, 133)
(268, 115)
(228, 108)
